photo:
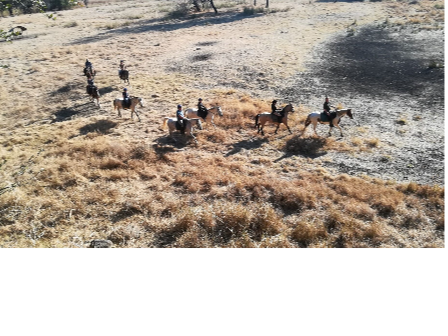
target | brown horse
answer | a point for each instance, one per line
(124, 75)
(93, 92)
(89, 72)
(264, 117)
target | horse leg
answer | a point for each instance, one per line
(314, 125)
(137, 115)
(119, 112)
(340, 129)
(277, 128)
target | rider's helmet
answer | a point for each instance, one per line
(326, 99)
(200, 99)
(125, 89)
(179, 106)
(274, 101)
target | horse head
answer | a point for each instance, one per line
(219, 111)
(349, 113)
(288, 108)
(140, 101)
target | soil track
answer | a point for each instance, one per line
(384, 76)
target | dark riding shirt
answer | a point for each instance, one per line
(327, 107)
(90, 82)
(125, 95)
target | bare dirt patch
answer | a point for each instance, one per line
(384, 75)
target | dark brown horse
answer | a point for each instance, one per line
(89, 72)
(93, 92)
(124, 75)
(264, 117)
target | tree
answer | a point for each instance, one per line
(29, 6)
(197, 5)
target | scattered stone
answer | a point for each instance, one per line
(100, 243)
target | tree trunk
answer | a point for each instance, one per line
(213, 6)
(196, 5)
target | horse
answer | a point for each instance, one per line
(193, 113)
(262, 118)
(118, 104)
(89, 72)
(124, 75)
(189, 123)
(314, 118)
(94, 94)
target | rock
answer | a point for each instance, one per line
(100, 243)
(155, 96)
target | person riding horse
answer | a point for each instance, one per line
(88, 68)
(126, 98)
(122, 67)
(90, 85)
(202, 110)
(327, 110)
(180, 118)
(275, 111)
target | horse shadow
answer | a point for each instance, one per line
(105, 90)
(247, 144)
(103, 126)
(306, 147)
(80, 110)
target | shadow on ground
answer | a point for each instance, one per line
(80, 110)
(247, 144)
(101, 126)
(162, 24)
(306, 147)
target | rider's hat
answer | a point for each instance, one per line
(200, 98)
(274, 101)
(125, 89)
(179, 106)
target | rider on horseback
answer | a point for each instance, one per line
(126, 99)
(122, 67)
(88, 69)
(327, 109)
(202, 110)
(180, 118)
(276, 111)
(90, 85)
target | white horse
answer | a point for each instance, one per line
(193, 113)
(118, 104)
(189, 123)
(314, 118)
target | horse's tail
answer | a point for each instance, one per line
(165, 120)
(307, 121)
(114, 102)
(256, 120)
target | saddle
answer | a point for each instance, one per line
(90, 89)
(276, 118)
(180, 126)
(126, 103)
(202, 114)
(324, 117)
